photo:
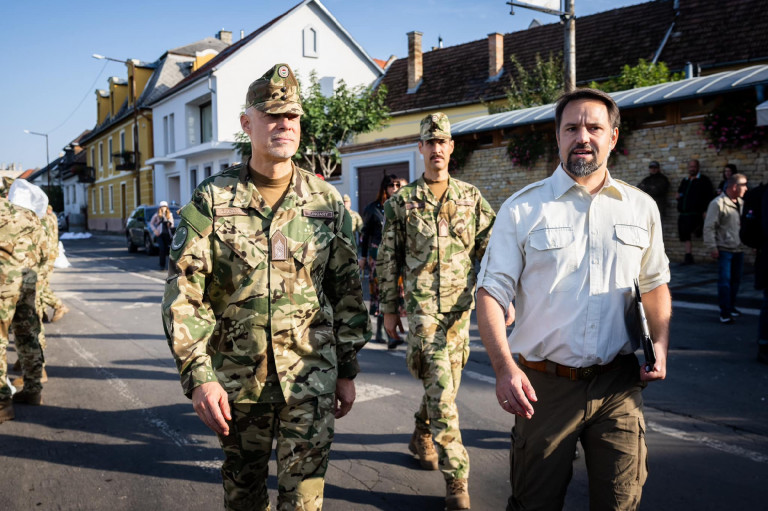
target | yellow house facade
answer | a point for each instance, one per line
(117, 149)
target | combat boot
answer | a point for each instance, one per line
(58, 313)
(29, 398)
(6, 410)
(456, 494)
(421, 445)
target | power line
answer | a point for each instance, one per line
(90, 89)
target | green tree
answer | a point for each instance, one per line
(541, 86)
(643, 74)
(329, 121)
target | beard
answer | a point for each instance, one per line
(581, 167)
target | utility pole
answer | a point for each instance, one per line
(568, 17)
(47, 157)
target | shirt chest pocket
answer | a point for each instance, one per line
(554, 250)
(631, 243)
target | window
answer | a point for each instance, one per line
(111, 199)
(207, 171)
(165, 134)
(109, 152)
(101, 158)
(171, 135)
(101, 199)
(309, 41)
(206, 122)
(122, 141)
(93, 157)
(93, 201)
(193, 178)
(223, 166)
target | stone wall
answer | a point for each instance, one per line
(491, 170)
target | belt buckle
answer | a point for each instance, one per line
(587, 373)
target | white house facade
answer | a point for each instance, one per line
(196, 121)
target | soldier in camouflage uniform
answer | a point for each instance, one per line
(22, 250)
(436, 229)
(263, 308)
(47, 298)
(357, 220)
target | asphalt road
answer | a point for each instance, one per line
(116, 433)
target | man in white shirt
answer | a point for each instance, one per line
(566, 250)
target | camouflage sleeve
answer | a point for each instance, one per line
(391, 256)
(485, 216)
(188, 318)
(341, 284)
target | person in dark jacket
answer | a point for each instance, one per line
(373, 224)
(693, 196)
(656, 185)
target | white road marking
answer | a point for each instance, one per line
(370, 391)
(709, 442)
(710, 307)
(141, 305)
(150, 417)
(480, 377)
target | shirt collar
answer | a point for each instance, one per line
(562, 182)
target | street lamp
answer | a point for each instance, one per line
(47, 158)
(137, 165)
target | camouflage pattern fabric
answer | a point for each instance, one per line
(242, 274)
(438, 349)
(434, 245)
(434, 126)
(22, 250)
(51, 230)
(276, 92)
(304, 435)
(357, 224)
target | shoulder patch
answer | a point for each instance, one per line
(179, 238)
(199, 222)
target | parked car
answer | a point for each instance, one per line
(137, 231)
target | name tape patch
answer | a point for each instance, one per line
(230, 212)
(314, 213)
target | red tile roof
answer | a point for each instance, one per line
(706, 32)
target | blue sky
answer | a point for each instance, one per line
(49, 75)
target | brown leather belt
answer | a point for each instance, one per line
(572, 373)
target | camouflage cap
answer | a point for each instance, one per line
(277, 92)
(435, 126)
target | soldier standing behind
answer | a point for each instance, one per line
(263, 308)
(47, 298)
(436, 229)
(357, 220)
(22, 250)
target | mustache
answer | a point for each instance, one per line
(581, 147)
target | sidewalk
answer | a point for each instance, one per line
(698, 283)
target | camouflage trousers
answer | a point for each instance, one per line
(438, 349)
(47, 298)
(17, 310)
(303, 433)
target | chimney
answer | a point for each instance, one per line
(225, 36)
(415, 71)
(495, 54)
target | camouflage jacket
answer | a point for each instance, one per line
(23, 248)
(243, 274)
(434, 246)
(51, 229)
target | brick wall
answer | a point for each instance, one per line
(491, 170)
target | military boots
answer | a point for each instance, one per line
(421, 445)
(29, 398)
(456, 494)
(6, 410)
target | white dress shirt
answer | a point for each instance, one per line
(568, 260)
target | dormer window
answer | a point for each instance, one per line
(309, 40)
